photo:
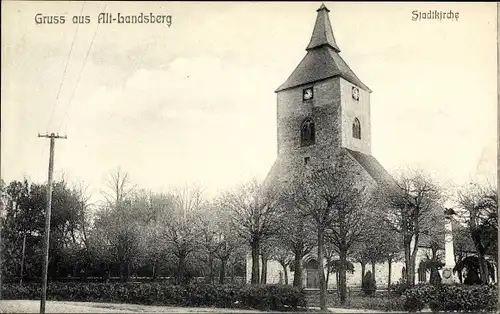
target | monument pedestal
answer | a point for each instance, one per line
(447, 276)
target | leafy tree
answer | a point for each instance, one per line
(472, 266)
(24, 227)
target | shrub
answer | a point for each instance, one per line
(271, 297)
(414, 299)
(464, 298)
(447, 298)
(368, 284)
(398, 288)
(376, 303)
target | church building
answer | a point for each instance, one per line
(323, 111)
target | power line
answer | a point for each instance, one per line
(65, 69)
(62, 80)
(80, 75)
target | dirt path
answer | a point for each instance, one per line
(33, 306)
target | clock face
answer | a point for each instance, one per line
(307, 94)
(355, 93)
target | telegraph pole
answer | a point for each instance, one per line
(2, 207)
(52, 137)
(498, 142)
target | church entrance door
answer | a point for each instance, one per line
(312, 278)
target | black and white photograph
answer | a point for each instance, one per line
(249, 157)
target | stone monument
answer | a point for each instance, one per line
(448, 277)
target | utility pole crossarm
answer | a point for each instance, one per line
(52, 135)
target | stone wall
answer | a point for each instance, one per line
(351, 109)
(353, 280)
(323, 109)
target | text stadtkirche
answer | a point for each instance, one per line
(106, 18)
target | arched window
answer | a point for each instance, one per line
(307, 133)
(356, 129)
(422, 273)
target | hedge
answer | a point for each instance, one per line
(448, 298)
(262, 297)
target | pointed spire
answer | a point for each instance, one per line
(323, 7)
(322, 33)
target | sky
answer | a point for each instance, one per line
(195, 102)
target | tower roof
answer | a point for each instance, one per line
(322, 60)
(322, 33)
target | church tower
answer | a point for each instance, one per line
(323, 110)
(323, 106)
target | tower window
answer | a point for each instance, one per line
(306, 160)
(356, 129)
(307, 133)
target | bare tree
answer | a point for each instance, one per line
(189, 198)
(479, 206)
(182, 230)
(156, 209)
(380, 243)
(119, 219)
(255, 216)
(409, 208)
(282, 254)
(228, 247)
(118, 186)
(211, 239)
(391, 250)
(83, 211)
(226, 243)
(297, 231)
(334, 201)
(330, 254)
